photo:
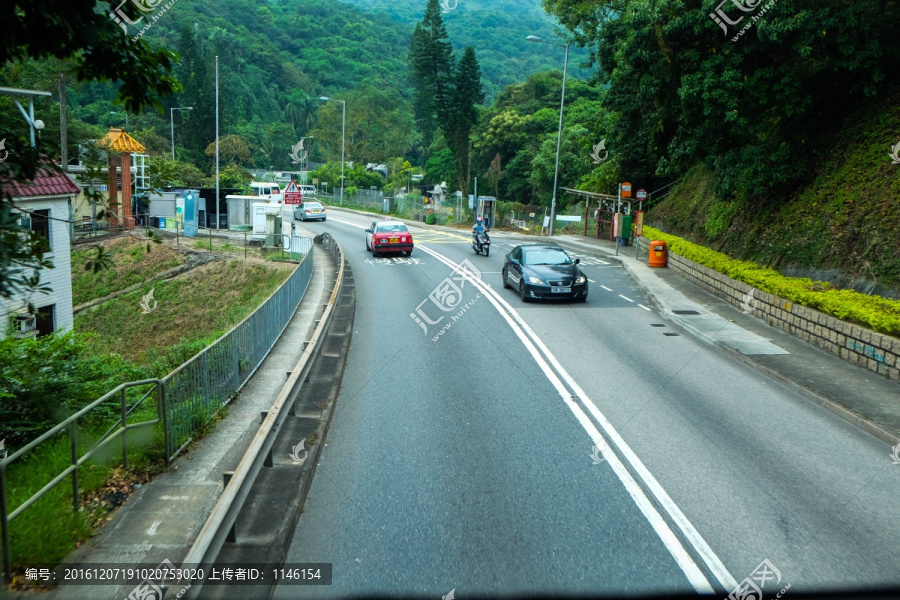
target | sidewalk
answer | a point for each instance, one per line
(861, 397)
(161, 519)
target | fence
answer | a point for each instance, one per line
(208, 381)
(186, 399)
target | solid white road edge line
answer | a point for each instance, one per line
(670, 540)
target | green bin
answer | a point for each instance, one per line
(627, 227)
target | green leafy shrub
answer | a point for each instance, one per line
(875, 312)
(44, 380)
(430, 218)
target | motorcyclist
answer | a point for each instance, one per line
(478, 232)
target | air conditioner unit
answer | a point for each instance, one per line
(24, 326)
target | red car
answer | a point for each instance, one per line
(389, 236)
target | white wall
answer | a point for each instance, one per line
(59, 278)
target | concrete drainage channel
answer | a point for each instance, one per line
(255, 517)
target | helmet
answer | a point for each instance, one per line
(479, 219)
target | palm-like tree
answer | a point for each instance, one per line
(300, 110)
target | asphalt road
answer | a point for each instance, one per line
(573, 448)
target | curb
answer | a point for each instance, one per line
(822, 400)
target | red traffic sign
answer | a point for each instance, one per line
(292, 194)
(641, 194)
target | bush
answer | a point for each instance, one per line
(430, 218)
(44, 380)
(875, 312)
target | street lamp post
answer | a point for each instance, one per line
(343, 130)
(562, 103)
(306, 157)
(172, 124)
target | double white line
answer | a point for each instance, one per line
(569, 390)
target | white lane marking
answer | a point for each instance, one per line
(644, 307)
(592, 281)
(689, 567)
(660, 526)
(690, 532)
(626, 298)
(606, 288)
(152, 529)
(602, 261)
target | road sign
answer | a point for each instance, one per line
(292, 194)
(642, 194)
(626, 190)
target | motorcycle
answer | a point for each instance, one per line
(481, 243)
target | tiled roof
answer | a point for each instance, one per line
(120, 141)
(47, 182)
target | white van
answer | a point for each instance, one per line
(270, 191)
(308, 190)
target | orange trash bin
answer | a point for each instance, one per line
(659, 254)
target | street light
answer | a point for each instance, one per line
(343, 129)
(303, 139)
(562, 102)
(172, 124)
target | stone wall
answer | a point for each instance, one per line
(868, 349)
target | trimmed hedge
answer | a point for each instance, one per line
(875, 312)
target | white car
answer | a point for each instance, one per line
(309, 210)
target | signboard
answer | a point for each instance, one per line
(575, 218)
(642, 194)
(617, 223)
(626, 190)
(292, 194)
(639, 222)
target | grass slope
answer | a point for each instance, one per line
(847, 218)
(192, 310)
(132, 264)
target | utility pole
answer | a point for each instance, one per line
(217, 148)
(63, 129)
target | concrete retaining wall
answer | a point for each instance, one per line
(868, 349)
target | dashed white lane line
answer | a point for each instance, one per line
(606, 288)
(626, 298)
(644, 307)
(592, 281)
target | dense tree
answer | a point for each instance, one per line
(447, 91)
(379, 125)
(756, 101)
(99, 52)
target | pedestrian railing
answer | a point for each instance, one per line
(70, 426)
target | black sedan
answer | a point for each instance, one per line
(544, 271)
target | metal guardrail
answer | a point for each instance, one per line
(186, 398)
(219, 527)
(71, 426)
(208, 381)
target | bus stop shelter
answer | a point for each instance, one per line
(601, 208)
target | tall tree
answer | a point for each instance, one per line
(432, 66)
(467, 94)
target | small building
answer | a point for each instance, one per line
(45, 205)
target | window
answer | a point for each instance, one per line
(46, 315)
(545, 256)
(40, 223)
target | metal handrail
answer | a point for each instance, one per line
(71, 424)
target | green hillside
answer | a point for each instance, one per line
(842, 228)
(497, 30)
